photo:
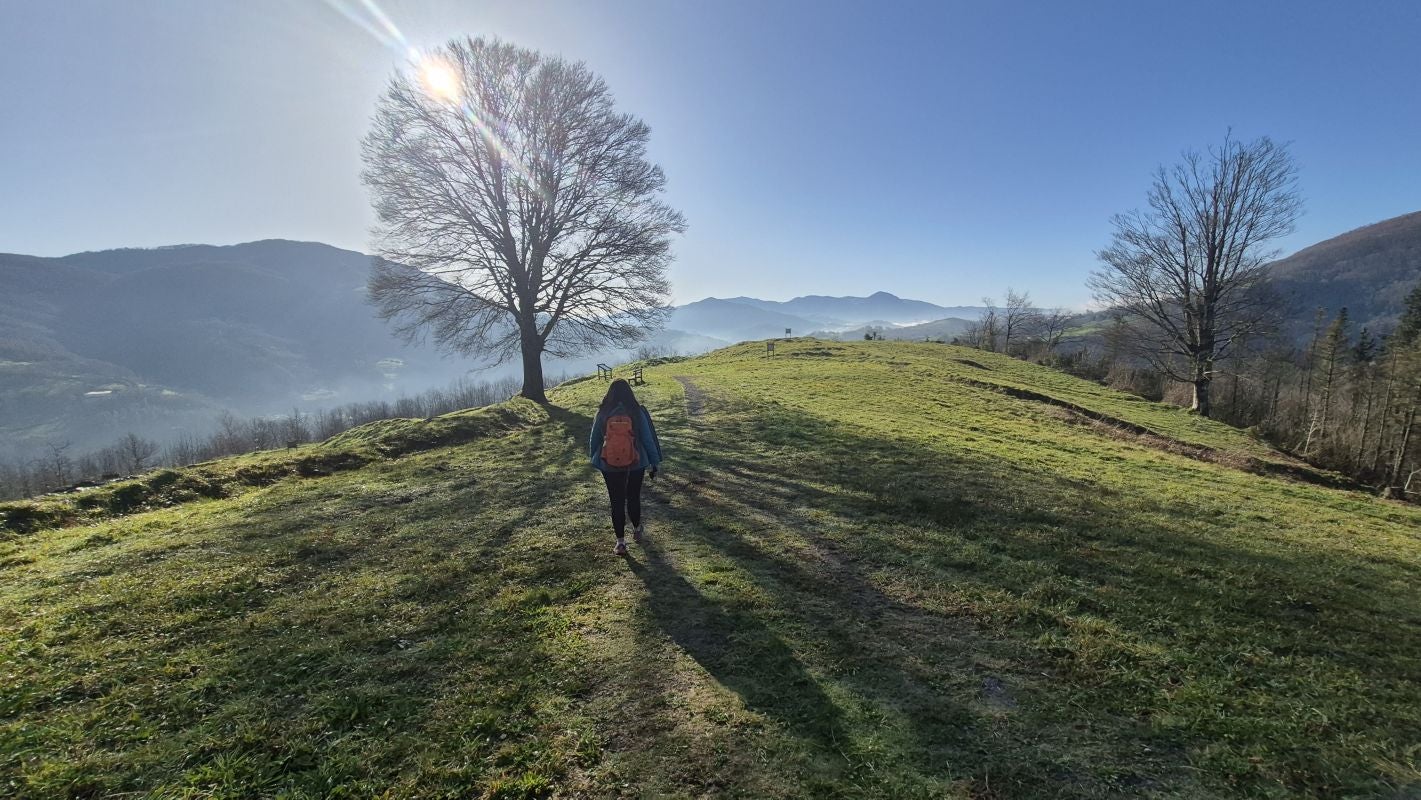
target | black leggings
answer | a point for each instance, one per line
(624, 490)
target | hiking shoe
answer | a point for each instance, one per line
(639, 531)
(620, 549)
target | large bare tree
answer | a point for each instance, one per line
(1190, 271)
(518, 213)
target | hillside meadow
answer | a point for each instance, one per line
(875, 569)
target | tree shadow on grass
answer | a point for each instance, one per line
(1109, 594)
(332, 634)
(731, 644)
(740, 652)
(829, 604)
(885, 653)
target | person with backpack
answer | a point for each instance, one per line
(623, 445)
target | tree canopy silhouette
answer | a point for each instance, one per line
(518, 213)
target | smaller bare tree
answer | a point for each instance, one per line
(986, 331)
(57, 465)
(136, 452)
(1051, 328)
(1190, 271)
(12, 481)
(1019, 317)
(230, 437)
(295, 428)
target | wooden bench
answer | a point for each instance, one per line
(637, 379)
(604, 372)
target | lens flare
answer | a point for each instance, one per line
(440, 80)
(373, 21)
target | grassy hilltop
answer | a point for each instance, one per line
(875, 570)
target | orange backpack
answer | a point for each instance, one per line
(619, 443)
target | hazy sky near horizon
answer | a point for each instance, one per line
(936, 150)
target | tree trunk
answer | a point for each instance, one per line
(1309, 363)
(1307, 439)
(1383, 420)
(1233, 401)
(1366, 428)
(1322, 416)
(1405, 445)
(533, 368)
(1202, 405)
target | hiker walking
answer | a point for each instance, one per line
(623, 445)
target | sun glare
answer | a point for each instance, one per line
(439, 80)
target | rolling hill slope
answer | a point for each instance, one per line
(875, 569)
(1369, 271)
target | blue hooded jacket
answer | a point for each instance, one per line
(648, 447)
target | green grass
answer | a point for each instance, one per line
(873, 572)
(231, 476)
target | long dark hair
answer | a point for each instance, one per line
(620, 392)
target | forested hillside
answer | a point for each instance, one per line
(1367, 271)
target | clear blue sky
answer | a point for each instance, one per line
(937, 150)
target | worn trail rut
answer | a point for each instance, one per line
(695, 398)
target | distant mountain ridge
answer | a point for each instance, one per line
(158, 341)
(879, 306)
(1369, 271)
(733, 321)
(741, 318)
(938, 330)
